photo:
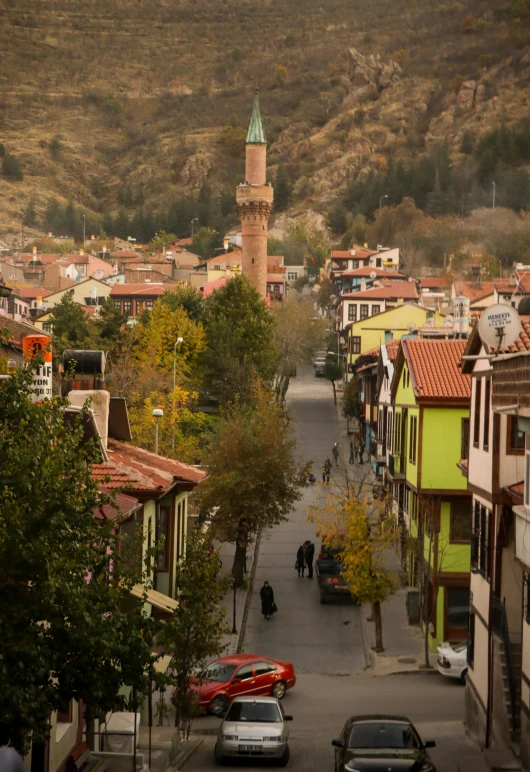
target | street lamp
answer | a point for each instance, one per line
(380, 202)
(234, 628)
(493, 207)
(195, 219)
(177, 343)
(157, 413)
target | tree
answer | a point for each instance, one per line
(298, 333)
(205, 242)
(70, 325)
(29, 217)
(366, 539)
(193, 634)
(69, 629)
(351, 399)
(254, 478)
(187, 297)
(161, 240)
(109, 327)
(283, 191)
(240, 339)
(333, 372)
(314, 242)
(11, 167)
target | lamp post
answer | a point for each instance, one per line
(494, 186)
(177, 343)
(234, 629)
(195, 219)
(381, 201)
(157, 413)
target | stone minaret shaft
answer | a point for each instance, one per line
(254, 202)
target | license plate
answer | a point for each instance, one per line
(249, 748)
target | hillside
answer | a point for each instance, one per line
(130, 104)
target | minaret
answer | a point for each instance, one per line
(254, 202)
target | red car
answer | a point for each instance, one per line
(242, 674)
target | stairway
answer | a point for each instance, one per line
(516, 666)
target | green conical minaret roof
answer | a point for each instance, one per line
(255, 134)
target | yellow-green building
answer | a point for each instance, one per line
(371, 331)
(431, 398)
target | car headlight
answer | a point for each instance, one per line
(230, 737)
(275, 739)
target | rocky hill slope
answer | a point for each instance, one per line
(152, 97)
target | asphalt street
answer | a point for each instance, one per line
(321, 704)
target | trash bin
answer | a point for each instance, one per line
(124, 741)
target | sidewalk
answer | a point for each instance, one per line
(404, 643)
(232, 641)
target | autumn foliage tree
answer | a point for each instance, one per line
(254, 478)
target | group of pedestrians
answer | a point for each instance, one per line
(304, 559)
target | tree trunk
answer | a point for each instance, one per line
(334, 392)
(240, 558)
(378, 619)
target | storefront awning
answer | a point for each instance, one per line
(157, 599)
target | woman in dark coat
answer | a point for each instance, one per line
(300, 560)
(267, 600)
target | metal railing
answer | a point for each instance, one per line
(499, 624)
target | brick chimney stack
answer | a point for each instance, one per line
(254, 202)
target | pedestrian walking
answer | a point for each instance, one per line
(268, 607)
(300, 560)
(309, 556)
(352, 453)
(326, 469)
(335, 453)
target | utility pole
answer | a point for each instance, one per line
(381, 201)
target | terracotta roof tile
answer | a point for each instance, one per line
(392, 348)
(122, 505)
(358, 253)
(522, 343)
(162, 471)
(472, 290)
(211, 286)
(31, 293)
(366, 270)
(435, 369)
(516, 490)
(433, 282)
(395, 289)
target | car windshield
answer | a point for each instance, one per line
(218, 671)
(460, 646)
(255, 712)
(381, 734)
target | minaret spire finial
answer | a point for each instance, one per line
(256, 135)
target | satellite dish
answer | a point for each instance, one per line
(449, 319)
(499, 326)
(412, 327)
(373, 275)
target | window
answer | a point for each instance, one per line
(149, 304)
(487, 411)
(127, 307)
(244, 672)
(364, 310)
(464, 440)
(262, 668)
(117, 303)
(476, 412)
(65, 716)
(292, 275)
(276, 289)
(253, 712)
(378, 262)
(515, 440)
(388, 335)
(480, 543)
(413, 438)
(471, 641)
(46, 326)
(458, 607)
(526, 597)
(352, 312)
(527, 481)
(355, 264)
(461, 521)
(356, 344)
(162, 532)
(376, 310)
(397, 443)
(389, 430)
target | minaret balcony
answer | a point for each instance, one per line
(254, 193)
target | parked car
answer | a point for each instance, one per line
(254, 727)
(328, 568)
(319, 364)
(381, 744)
(452, 660)
(242, 675)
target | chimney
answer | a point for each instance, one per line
(363, 285)
(81, 251)
(34, 252)
(100, 406)
(50, 234)
(352, 252)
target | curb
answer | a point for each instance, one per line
(185, 755)
(418, 671)
(250, 590)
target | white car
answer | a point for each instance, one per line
(452, 660)
(254, 728)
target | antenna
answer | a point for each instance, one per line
(499, 326)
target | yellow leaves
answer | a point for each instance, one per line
(159, 333)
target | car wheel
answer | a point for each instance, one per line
(463, 677)
(286, 756)
(279, 689)
(219, 705)
(218, 758)
(323, 597)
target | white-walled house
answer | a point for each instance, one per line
(497, 687)
(385, 414)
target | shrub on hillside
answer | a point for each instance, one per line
(11, 167)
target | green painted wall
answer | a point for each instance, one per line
(442, 438)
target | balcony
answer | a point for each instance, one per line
(396, 467)
(377, 451)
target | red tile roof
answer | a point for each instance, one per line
(162, 471)
(366, 270)
(473, 290)
(392, 348)
(434, 282)
(124, 253)
(147, 289)
(522, 343)
(32, 293)
(358, 253)
(435, 369)
(517, 490)
(395, 289)
(211, 286)
(122, 505)
(275, 260)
